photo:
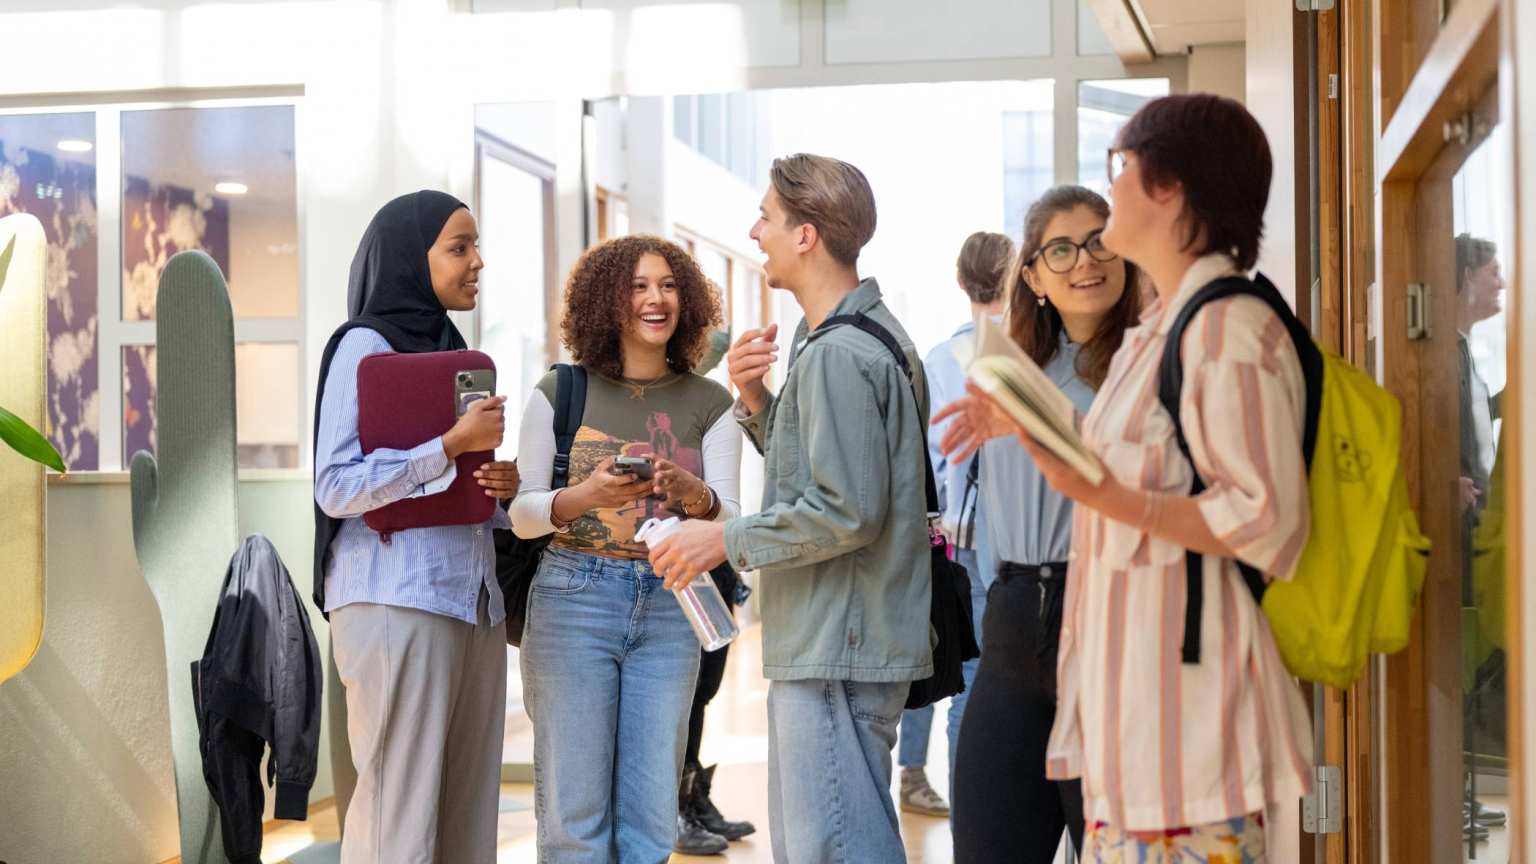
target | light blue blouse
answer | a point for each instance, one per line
(440, 570)
(1027, 521)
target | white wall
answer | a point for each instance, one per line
(1221, 69)
(1271, 96)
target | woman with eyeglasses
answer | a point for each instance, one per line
(1070, 301)
(1179, 751)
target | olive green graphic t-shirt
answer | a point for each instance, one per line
(668, 420)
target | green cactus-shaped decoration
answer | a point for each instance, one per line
(184, 512)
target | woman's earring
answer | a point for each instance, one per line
(1040, 299)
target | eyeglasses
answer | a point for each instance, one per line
(1115, 163)
(1060, 255)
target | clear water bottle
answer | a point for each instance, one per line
(704, 607)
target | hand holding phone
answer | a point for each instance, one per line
(480, 428)
(470, 386)
(638, 466)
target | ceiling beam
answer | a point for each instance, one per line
(1126, 28)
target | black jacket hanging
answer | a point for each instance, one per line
(258, 684)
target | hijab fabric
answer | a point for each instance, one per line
(389, 291)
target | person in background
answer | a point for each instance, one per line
(1070, 301)
(1180, 759)
(1479, 290)
(701, 826)
(609, 661)
(980, 271)
(416, 623)
(842, 540)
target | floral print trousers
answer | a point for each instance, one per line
(1236, 841)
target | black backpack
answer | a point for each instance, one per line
(517, 560)
(950, 608)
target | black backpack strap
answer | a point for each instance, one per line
(873, 328)
(1170, 385)
(570, 405)
(969, 502)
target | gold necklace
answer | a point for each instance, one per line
(637, 389)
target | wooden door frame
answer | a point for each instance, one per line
(1424, 72)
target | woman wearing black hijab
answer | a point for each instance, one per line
(416, 622)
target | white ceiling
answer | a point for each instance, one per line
(1172, 26)
(1175, 25)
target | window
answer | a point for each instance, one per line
(1102, 108)
(612, 215)
(743, 295)
(219, 179)
(519, 306)
(726, 128)
(1028, 164)
(48, 169)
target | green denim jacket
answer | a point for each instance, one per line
(842, 539)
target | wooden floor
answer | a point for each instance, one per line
(736, 737)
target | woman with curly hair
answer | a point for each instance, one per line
(608, 660)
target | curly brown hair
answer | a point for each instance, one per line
(597, 304)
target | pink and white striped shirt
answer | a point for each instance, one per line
(1157, 743)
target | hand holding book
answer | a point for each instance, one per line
(1010, 394)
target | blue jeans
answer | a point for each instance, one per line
(829, 771)
(609, 665)
(917, 724)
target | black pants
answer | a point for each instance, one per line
(711, 671)
(1005, 810)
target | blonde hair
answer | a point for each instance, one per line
(831, 195)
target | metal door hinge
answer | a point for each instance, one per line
(1418, 311)
(1314, 5)
(1322, 812)
(1333, 86)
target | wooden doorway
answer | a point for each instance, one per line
(1412, 165)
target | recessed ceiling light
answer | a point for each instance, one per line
(75, 145)
(230, 187)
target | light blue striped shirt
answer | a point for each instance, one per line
(946, 383)
(438, 570)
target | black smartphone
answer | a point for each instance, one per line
(472, 385)
(637, 465)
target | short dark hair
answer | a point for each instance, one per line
(1472, 253)
(983, 265)
(830, 194)
(1217, 153)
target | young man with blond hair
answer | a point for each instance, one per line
(842, 538)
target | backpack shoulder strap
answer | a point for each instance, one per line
(570, 405)
(1170, 385)
(873, 328)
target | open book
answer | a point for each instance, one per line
(1022, 388)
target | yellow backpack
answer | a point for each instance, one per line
(1358, 579)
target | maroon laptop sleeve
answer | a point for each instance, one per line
(403, 401)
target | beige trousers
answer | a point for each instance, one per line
(426, 703)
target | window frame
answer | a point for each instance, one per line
(113, 332)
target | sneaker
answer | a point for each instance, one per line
(695, 839)
(918, 797)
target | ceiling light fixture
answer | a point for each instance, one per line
(230, 187)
